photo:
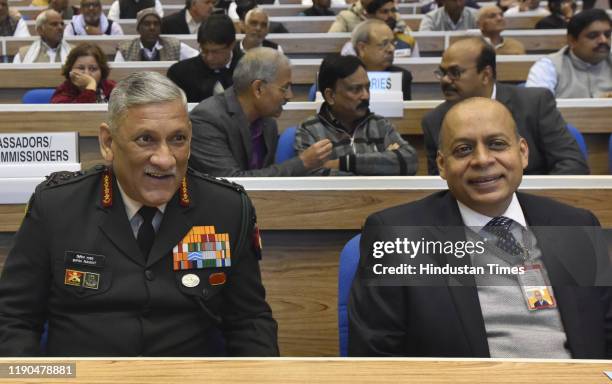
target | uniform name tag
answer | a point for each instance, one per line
(84, 259)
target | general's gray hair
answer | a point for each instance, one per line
(141, 88)
(258, 64)
(41, 19)
(361, 33)
(254, 11)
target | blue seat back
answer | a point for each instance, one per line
(349, 259)
(579, 139)
(38, 96)
(312, 93)
(284, 149)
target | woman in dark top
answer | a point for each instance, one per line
(560, 13)
(86, 72)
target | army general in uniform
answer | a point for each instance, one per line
(143, 257)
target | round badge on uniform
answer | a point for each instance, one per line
(190, 280)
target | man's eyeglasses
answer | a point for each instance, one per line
(285, 89)
(385, 43)
(454, 73)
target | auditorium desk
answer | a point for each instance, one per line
(307, 221)
(509, 68)
(591, 116)
(318, 44)
(340, 371)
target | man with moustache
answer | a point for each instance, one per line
(102, 258)
(51, 47)
(363, 142)
(583, 68)
(482, 158)
(467, 70)
(256, 26)
(235, 134)
(92, 21)
(452, 16)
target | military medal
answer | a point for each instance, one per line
(202, 248)
(217, 278)
(190, 280)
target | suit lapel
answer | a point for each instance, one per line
(241, 122)
(116, 227)
(465, 297)
(560, 278)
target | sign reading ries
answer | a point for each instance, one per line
(28, 148)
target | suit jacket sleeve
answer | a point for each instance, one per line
(249, 328)
(563, 157)
(211, 152)
(24, 286)
(375, 313)
(430, 137)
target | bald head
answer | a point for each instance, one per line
(481, 155)
(475, 112)
(50, 27)
(491, 21)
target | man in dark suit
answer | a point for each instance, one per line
(210, 72)
(482, 157)
(468, 70)
(255, 27)
(187, 21)
(114, 259)
(235, 134)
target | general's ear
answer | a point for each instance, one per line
(105, 140)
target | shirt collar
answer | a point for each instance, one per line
(132, 206)
(157, 46)
(477, 220)
(494, 93)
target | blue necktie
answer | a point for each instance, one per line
(500, 227)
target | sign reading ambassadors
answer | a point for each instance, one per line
(27, 148)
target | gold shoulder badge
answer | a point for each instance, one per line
(107, 188)
(184, 198)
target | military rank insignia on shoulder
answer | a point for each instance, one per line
(65, 177)
(217, 180)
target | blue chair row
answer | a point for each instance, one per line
(38, 96)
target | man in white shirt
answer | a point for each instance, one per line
(583, 68)
(11, 25)
(527, 7)
(150, 46)
(256, 26)
(51, 47)
(453, 16)
(92, 21)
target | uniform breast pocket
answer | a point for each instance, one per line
(82, 275)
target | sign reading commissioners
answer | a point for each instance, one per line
(28, 148)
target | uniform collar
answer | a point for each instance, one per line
(132, 206)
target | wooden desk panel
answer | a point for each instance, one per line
(340, 371)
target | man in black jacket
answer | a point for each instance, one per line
(188, 20)
(211, 72)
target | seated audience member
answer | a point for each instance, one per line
(11, 25)
(468, 70)
(492, 23)
(453, 16)
(255, 27)
(210, 72)
(150, 46)
(92, 21)
(374, 45)
(235, 133)
(188, 20)
(50, 47)
(64, 8)
(435, 4)
(319, 8)
(386, 10)
(238, 10)
(490, 314)
(99, 256)
(128, 9)
(561, 11)
(530, 6)
(364, 143)
(86, 71)
(347, 19)
(583, 68)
